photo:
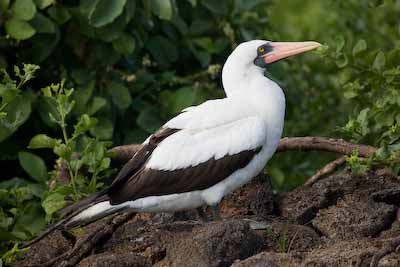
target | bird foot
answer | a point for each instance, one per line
(215, 214)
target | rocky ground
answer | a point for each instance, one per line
(339, 221)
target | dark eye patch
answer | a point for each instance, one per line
(264, 49)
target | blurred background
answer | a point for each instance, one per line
(132, 65)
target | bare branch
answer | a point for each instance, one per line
(327, 169)
(308, 143)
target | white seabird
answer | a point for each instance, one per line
(208, 150)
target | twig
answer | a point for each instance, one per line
(391, 247)
(85, 244)
(327, 169)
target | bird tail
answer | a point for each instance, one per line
(81, 213)
(93, 213)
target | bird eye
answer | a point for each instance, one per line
(261, 49)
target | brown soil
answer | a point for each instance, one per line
(340, 221)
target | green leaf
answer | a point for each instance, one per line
(97, 104)
(277, 175)
(5, 220)
(32, 220)
(87, 6)
(42, 24)
(339, 42)
(59, 14)
(125, 44)
(42, 141)
(82, 95)
(33, 165)
(18, 112)
(359, 47)
(4, 5)
(130, 8)
(379, 61)
(162, 8)
(175, 102)
(149, 120)
(162, 50)
(103, 129)
(23, 9)
(342, 60)
(84, 124)
(42, 4)
(47, 108)
(192, 2)
(53, 202)
(105, 12)
(120, 95)
(218, 7)
(44, 45)
(19, 29)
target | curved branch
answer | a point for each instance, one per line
(339, 146)
(307, 143)
(326, 170)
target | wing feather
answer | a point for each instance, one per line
(190, 159)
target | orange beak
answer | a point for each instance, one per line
(282, 50)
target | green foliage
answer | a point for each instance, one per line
(27, 204)
(15, 105)
(352, 93)
(369, 78)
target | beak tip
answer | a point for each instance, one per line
(315, 44)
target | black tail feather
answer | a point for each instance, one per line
(67, 213)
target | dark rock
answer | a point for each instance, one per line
(52, 246)
(269, 259)
(390, 195)
(354, 217)
(344, 253)
(285, 237)
(115, 260)
(187, 243)
(254, 199)
(302, 204)
(214, 244)
(391, 260)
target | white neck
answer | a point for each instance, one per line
(236, 72)
(260, 96)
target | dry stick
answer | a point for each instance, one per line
(327, 169)
(339, 146)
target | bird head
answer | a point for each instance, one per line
(262, 53)
(249, 59)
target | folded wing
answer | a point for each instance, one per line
(188, 159)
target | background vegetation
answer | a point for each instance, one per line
(111, 72)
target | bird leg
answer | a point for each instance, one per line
(215, 212)
(202, 214)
